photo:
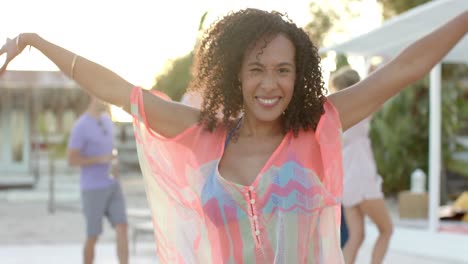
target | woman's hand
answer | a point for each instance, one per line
(12, 48)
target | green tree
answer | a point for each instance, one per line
(323, 20)
(400, 130)
(176, 77)
(328, 17)
(341, 61)
(395, 7)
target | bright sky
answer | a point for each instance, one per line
(136, 37)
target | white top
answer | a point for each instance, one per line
(361, 180)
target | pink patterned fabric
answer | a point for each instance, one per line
(290, 214)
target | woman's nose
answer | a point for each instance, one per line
(269, 81)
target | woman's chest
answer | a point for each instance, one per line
(244, 161)
(285, 176)
(279, 191)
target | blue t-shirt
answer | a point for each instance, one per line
(93, 137)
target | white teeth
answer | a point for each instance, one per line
(268, 101)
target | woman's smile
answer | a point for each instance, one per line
(268, 101)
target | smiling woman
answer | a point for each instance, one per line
(264, 63)
(252, 179)
(262, 184)
(267, 77)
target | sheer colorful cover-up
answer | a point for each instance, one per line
(290, 214)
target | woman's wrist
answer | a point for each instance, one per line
(25, 39)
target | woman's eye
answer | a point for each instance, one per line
(255, 69)
(284, 70)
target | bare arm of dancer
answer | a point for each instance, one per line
(365, 97)
(164, 117)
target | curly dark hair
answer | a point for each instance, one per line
(219, 59)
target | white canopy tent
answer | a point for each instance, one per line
(391, 38)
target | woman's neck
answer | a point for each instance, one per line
(254, 128)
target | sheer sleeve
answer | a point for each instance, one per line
(173, 176)
(329, 138)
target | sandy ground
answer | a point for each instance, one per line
(28, 230)
(25, 217)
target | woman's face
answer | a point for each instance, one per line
(267, 78)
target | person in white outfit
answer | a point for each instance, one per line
(362, 193)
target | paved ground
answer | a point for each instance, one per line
(29, 233)
(69, 254)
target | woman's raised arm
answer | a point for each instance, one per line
(365, 97)
(164, 117)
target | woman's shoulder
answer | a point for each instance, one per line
(329, 122)
(199, 134)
